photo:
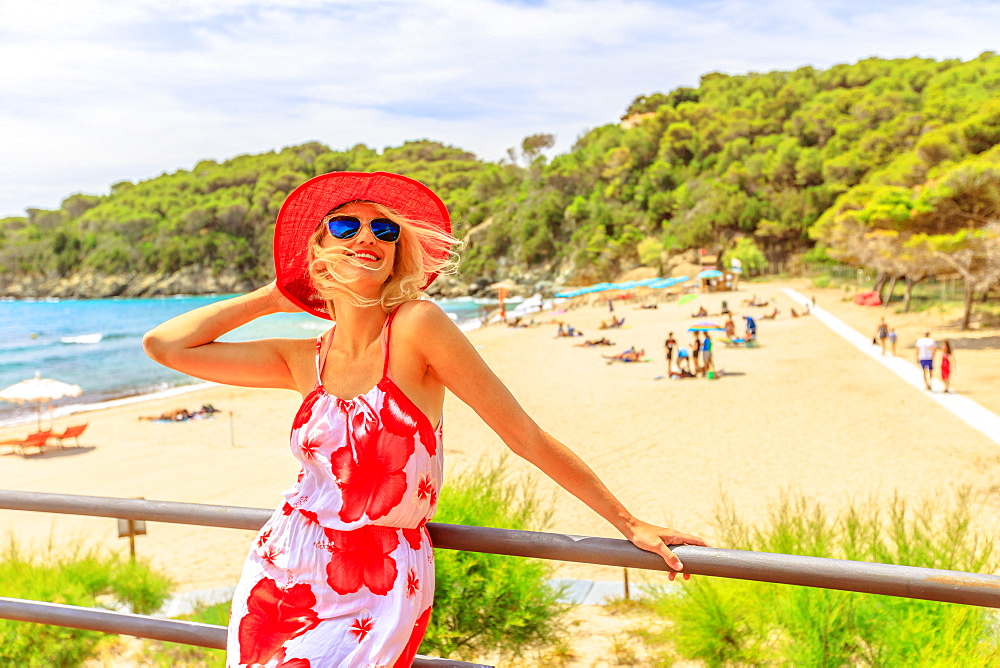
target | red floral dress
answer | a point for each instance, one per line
(343, 572)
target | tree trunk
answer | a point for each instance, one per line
(969, 294)
(909, 291)
(888, 298)
(879, 282)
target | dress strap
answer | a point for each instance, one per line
(385, 342)
(322, 347)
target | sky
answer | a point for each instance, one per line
(94, 92)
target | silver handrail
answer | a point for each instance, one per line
(872, 578)
(142, 626)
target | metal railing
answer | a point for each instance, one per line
(142, 626)
(871, 578)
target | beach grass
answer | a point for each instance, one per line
(735, 622)
(491, 604)
(82, 576)
(170, 655)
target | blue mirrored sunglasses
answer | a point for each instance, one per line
(347, 227)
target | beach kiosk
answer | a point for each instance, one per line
(716, 280)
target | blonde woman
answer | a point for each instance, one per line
(342, 574)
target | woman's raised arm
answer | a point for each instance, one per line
(452, 359)
(188, 344)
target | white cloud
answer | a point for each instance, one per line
(95, 92)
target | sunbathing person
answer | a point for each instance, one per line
(613, 323)
(590, 343)
(753, 302)
(630, 355)
(700, 314)
(770, 316)
(176, 415)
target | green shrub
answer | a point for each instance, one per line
(172, 655)
(83, 577)
(488, 603)
(749, 254)
(729, 622)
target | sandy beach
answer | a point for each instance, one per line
(804, 412)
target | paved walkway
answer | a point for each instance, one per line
(965, 409)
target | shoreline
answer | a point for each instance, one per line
(114, 401)
(80, 345)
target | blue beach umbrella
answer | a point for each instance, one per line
(710, 273)
(646, 282)
(661, 283)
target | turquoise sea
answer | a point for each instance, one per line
(97, 344)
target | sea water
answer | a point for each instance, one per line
(97, 344)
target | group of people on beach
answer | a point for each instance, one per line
(926, 349)
(886, 337)
(697, 358)
(567, 330)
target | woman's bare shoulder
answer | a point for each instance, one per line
(422, 324)
(419, 314)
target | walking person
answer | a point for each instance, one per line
(669, 345)
(882, 333)
(342, 574)
(947, 364)
(926, 347)
(893, 337)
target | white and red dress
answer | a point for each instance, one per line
(342, 574)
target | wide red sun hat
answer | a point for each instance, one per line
(306, 206)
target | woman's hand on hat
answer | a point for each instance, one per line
(655, 539)
(280, 302)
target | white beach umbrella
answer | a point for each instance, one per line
(38, 391)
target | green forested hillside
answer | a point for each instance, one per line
(888, 163)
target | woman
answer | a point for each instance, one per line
(947, 364)
(342, 574)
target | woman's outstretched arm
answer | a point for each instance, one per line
(188, 343)
(452, 359)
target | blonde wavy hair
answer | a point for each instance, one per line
(414, 262)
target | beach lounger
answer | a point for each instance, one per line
(734, 343)
(36, 440)
(71, 432)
